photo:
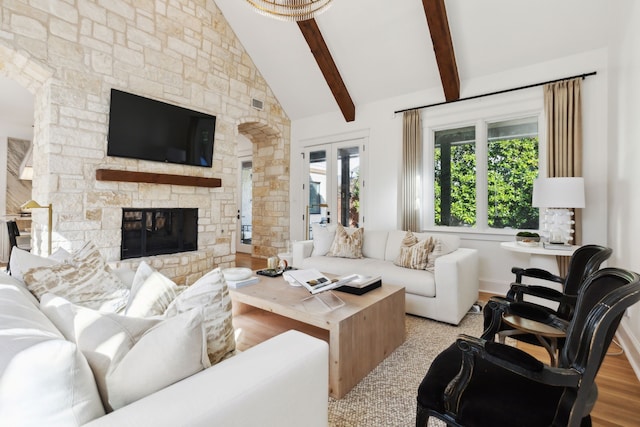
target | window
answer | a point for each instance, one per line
(483, 174)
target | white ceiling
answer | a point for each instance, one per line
(383, 48)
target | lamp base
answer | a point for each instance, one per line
(558, 226)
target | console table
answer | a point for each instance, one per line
(540, 257)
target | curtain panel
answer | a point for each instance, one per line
(563, 111)
(411, 170)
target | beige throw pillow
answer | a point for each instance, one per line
(439, 249)
(413, 253)
(83, 279)
(211, 293)
(345, 245)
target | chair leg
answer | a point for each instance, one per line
(422, 416)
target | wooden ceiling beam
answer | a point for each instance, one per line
(320, 51)
(443, 47)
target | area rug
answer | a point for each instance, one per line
(387, 396)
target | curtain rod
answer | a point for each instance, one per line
(585, 75)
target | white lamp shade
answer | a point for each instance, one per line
(565, 192)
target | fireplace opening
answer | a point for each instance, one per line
(161, 231)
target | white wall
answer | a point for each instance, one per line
(624, 173)
(384, 154)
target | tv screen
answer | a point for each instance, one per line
(142, 128)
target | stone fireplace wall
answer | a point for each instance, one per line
(70, 55)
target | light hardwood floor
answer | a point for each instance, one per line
(618, 386)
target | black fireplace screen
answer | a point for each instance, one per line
(147, 232)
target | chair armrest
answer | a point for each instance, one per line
(300, 250)
(537, 313)
(538, 273)
(517, 361)
(537, 291)
(457, 286)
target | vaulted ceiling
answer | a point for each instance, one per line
(381, 49)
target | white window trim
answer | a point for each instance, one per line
(479, 112)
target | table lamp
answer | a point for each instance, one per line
(558, 195)
(32, 204)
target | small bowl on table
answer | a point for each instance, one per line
(528, 240)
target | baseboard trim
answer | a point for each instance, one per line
(630, 345)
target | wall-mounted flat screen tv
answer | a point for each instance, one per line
(146, 129)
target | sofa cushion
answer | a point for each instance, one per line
(36, 357)
(131, 357)
(374, 243)
(347, 244)
(211, 293)
(413, 253)
(153, 296)
(323, 236)
(47, 383)
(84, 279)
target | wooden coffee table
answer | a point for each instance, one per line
(361, 334)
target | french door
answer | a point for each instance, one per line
(245, 206)
(334, 182)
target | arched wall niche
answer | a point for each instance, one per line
(271, 154)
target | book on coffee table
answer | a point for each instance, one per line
(235, 284)
(315, 282)
(361, 284)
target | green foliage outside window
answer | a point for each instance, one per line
(512, 167)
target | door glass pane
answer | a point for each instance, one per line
(318, 212)
(512, 167)
(348, 170)
(455, 177)
(246, 202)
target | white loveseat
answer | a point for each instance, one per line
(445, 294)
(46, 380)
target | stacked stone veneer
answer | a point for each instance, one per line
(70, 55)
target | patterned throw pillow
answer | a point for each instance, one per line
(345, 245)
(85, 279)
(439, 249)
(413, 253)
(211, 293)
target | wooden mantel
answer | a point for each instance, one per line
(156, 178)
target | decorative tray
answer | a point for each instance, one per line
(273, 273)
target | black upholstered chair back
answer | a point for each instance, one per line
(12, 228)
(601, 303)
(584, 261)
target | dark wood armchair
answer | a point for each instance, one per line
(476, 382)
(584, 261)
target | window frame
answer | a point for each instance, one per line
(478, 113)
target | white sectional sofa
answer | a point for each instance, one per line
(444, 292)
(45, 379)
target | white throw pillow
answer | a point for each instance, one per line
(323, 235)
(84, 279)
(168, 351)
(21, 261)
(153, 296)
(47, 383)
(211, 293)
